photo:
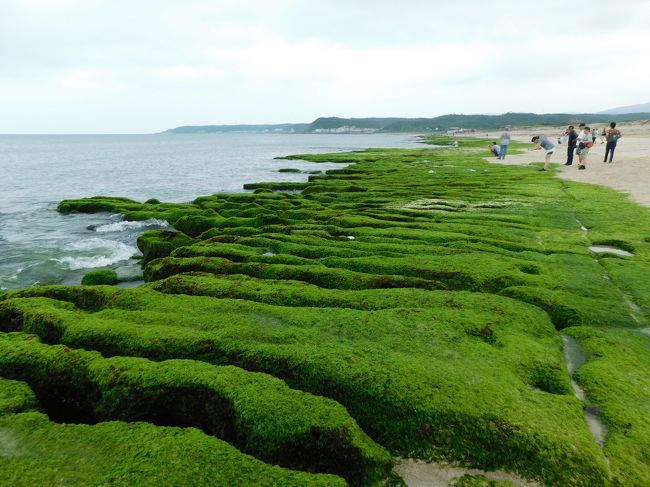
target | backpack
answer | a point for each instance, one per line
(613, 137)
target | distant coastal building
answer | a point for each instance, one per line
(345, 129)
(458, 130)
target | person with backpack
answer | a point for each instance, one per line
(613, 134)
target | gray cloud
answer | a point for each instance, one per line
(118, 66)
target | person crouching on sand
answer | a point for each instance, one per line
(542, 142)
(494, 148)
(584, 144)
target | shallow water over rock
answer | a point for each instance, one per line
(416, 473)
(574, 360)
(609, 250)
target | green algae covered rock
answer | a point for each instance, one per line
(100, 276)
(421, 290)
(617, 384)
(41, 452)
(96, 204)
(155, 244)
(480, 481)
(383, 382)
(15, 397)
(256, 412)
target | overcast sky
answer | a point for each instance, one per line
(140, 66)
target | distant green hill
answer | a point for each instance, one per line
(495, 122)
(199, 129)
(328, 123)
(413, 125)
(478, 122)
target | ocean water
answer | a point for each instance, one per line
(39, 246)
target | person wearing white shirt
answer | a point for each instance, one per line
(505, 142)
(584, 143)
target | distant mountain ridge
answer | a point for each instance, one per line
(640, 108)
(413, 125)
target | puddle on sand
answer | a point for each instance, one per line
(609, 250)
(574, 360)
(417, 473)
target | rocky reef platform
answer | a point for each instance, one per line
(408, 307)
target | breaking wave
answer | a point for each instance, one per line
(103, 253)
(130, 225)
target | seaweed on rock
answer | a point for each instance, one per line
(257, 413)
(420, 289)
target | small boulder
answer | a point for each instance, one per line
(100, 276)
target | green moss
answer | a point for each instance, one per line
(15, 397)
(155, 244)
(254, 411)
(39, 452)
(100, 276)
(421, 289)
(96, 204)
(380, 364)
(480, 481)
(315, 274)
(632, 278)
(617, 384)
(276, 186)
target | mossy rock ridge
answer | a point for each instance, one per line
(40, 452)
(617, 385)
(486, 378)
(423, 425)
(255, 412)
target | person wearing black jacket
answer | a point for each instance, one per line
(571, 145)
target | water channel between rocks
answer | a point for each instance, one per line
(574, 360)
(416, 473)
(610, 250)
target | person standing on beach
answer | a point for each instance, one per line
(594, 136)
(542, 142)
(571, 145)
(505, 142)
(612, 136)
(584, 144)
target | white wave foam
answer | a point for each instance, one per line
(106, 252)
(128, 225)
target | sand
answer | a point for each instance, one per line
(629, 172)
